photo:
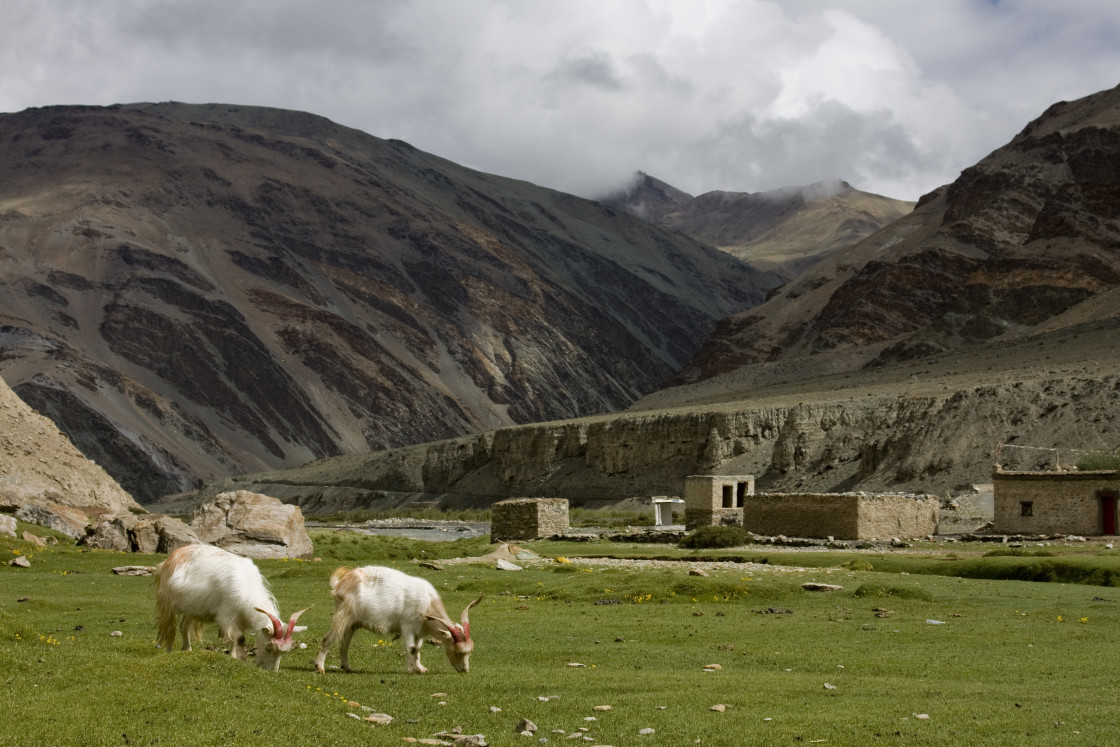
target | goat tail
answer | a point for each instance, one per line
(165, 612)
(337, 576)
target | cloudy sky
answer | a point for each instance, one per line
(746, 95)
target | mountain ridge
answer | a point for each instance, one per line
(189, 293)
(785, 230)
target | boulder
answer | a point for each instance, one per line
(253, 525)
(8, 525)
(34, 539)
(151, 533)
(66, 519)
(20, 562)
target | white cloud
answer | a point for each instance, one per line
(742, 95)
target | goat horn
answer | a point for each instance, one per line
(465, 622)
(292, 623)
(277, 626)
(456, 635)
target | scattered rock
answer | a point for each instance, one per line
(505, 565)
(433, 566)
(813, 586)
(34, 539)
(8, 525)
(713, 667)
(935, 622)
(525, 725)
(460, 739)
(134, 570)
(718, 707)
(20, 562)
(495, 709)
(829, 687)
(774, 611)
(116, 634)
(575, 664)
(922, 716)
(601, 708)
(152, 533)
(379, 718)
(697, 572)
(647, 731)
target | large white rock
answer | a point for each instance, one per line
(253, 525)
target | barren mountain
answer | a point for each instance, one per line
(784, 230)
(192, 291)
(1025, 242)
(983, 327)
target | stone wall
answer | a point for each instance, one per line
(715, 499)
(1058, 502)
(528, 519)
(841, 515)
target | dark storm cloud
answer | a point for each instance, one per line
(743, 95)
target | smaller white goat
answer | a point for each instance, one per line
(388, 602)
(206, 584)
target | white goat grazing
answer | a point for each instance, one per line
(206, 584)
(386, 601)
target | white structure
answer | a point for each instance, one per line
(660, 504)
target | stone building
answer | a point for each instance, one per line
(1055, 502)
(528, 519)
(841, 515)
(715, 499)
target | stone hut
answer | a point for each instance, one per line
(1080, 503)
(528, 518)
(715, 499)
(841, 515)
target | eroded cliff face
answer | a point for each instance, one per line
(903, 442)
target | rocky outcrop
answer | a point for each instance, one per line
(904, 442)
(40, 466)
(64, 519)
(1021, 244)
(7, 525)
(252, 525)
(145, 534)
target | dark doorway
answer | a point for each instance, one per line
(1108, 511)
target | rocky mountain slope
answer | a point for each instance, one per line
(937, 427)
(1025, 242)
(983, 327)
(785, 230)
(192, 291)
(39, 465)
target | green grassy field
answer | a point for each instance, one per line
(1003, 662)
